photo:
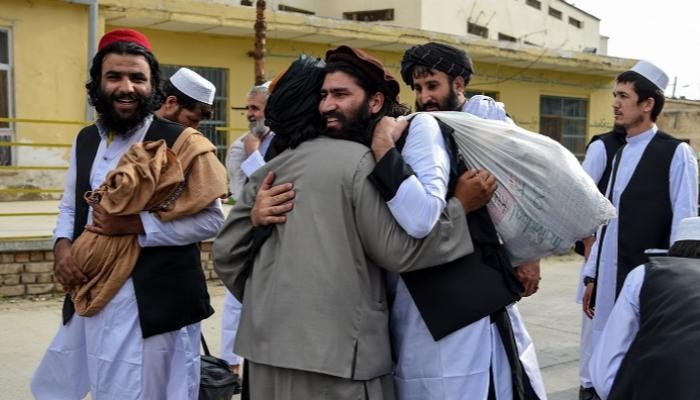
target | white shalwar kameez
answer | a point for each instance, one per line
(241, 165)
(457, 366)
(106, 354)
(683, 178)
(594, 164)
(618, 334)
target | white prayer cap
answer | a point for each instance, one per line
(486, 107)
(651, 72)
(689, 229)
(194, 85)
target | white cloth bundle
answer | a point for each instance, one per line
(545, 201)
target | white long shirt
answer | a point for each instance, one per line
(594, 164)
(683, 188)
(457, 366)
(595, 160)
(240, 165)
(182, 231)
(618, 334)
(104, 353)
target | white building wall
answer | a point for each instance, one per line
(445, 16)
(514, 18)
(407, 13)
(517, 19)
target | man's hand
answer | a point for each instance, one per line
(251, 143)
(235, 368)
(387, 131)
(529, 275)
(112, 225)
(64, 269)
(588, 309)
(272, 202)
(474, 189)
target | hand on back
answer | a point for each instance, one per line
(272, 202)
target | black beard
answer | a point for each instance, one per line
(451, 103)
(112, 120)
(358, 127)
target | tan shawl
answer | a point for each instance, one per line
(149, 177)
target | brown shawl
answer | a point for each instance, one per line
(149, 177)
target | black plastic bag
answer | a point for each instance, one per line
(217, 381)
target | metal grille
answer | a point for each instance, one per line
(219, 77)
(564, 119)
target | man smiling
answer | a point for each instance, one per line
(144, 343)
(315, 320)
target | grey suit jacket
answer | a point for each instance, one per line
(315, 299)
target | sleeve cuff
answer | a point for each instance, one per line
(389, 173)
(149, 227)
(252, 163)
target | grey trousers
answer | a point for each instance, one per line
(273, 383)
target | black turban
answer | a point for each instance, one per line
(294, 97)
(450, 60)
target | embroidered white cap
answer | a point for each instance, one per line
(688, 229)
(194, 85)
(651, 72)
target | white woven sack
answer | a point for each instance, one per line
(545, 201)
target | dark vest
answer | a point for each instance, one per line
(171, 290)
(454, 295)
(471, 287)
(612, 141)
(664, 359)
(645, 212)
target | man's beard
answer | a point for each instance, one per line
(639, 120)
(257, 127)
(113, 121)
(357, 127)
(451, 103)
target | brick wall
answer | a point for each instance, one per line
(26, 268)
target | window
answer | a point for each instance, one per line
(477, 30)
(506, 38)
(555, 13)
(372, 15)
(534, 3)
(283, 7)
(470, 93)
(219, 77)
(564, 119)
(6, 133)
(575, 22)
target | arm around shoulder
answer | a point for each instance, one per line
(232, 245)
(389, 246)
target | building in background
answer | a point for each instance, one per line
(682, 118)
(553, 24)
(544, 59)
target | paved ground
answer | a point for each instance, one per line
(552, 317)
